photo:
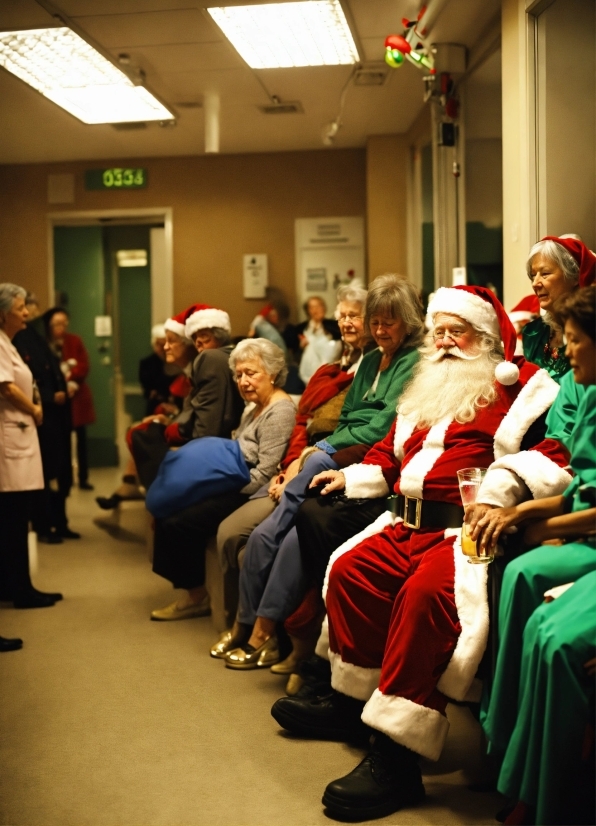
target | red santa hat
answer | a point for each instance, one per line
(177, 323)
(481, 308)
(584, 257)
(205, 317)
(525, 310)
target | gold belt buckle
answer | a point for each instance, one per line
(417, 505)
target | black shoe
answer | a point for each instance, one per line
(36, 599)
(85, 486)
(51, 538)
(332, 716)
(10, 644)
(66, 533)
(108, 503)
(388, 779)
(316, 673)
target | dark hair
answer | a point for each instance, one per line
(580, 307)
(49, 315)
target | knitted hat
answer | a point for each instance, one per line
(205, 317)
(584, 257)
(481, 308)
(525, 309)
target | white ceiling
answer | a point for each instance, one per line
(184, 55)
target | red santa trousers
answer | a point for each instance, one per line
(399, 604)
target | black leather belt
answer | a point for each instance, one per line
(426, 513)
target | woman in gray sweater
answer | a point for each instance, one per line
(259, 369)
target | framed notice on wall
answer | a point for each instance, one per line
(255, 275)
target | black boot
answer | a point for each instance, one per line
(388, 779)
(316, 676)
(329, 716)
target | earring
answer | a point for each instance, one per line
(272, 381)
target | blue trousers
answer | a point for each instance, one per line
(272, 579)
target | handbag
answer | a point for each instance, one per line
(204, 467)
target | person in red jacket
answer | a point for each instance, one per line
(74, 361)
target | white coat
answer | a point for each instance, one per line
(20, 457)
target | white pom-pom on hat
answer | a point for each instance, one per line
(507, 373)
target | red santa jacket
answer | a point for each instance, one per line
(423, 462)
(75, 356)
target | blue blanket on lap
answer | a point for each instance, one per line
(204, 467)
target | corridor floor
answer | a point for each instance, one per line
(108, 719)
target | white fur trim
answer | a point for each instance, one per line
(534, 399)
(413, 475)
(353, 680)
(543, 476)
(403, 430)
(322, 647)
(502, 488)
(206, 320)
(416, 727)
(380, 523)
(507, 373)
(471, 602)
(470, 307)
(365, 482)
(175, 327)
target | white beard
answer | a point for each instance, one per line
(448, 388)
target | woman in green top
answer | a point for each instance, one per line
(271, 580)
(539, 704)
(556, 266)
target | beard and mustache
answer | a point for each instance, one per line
(449, 384)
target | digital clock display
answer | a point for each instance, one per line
(117, 178)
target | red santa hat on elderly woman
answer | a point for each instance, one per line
(205, 317)
(177, 323)
(481, 308)
(585, 257)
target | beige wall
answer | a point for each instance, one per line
(223, 207)
(386, 184)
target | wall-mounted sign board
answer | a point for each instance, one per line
(118, 178)
(256, 276)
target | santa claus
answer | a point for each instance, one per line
(408, 616)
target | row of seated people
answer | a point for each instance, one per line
(407, 618)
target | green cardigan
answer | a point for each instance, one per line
(366, 421)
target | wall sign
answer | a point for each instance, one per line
(255, 272)
(117, 178)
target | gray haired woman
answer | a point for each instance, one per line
(556, 266)
(20, 458)
(259, 369)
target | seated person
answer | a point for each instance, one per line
(556, 266)
(315, 341)
(318, 414)
(156, 374)
(271, 580)
(539, 728)
(408, 617)
(259, 369)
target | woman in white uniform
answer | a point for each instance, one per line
(20, 458)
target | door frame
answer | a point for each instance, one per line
(159, 311)
(96, 217)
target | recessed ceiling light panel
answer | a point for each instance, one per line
(278, 35)
(74, 75)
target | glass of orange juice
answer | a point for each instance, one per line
(470, 479)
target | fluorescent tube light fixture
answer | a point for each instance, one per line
(277, 35)
(74, 75)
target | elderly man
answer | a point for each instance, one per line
(408, 618)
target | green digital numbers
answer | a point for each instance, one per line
(116, 178)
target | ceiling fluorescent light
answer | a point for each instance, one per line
(276, 35)
(74, 75)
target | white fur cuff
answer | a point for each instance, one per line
(501, 488)
(543, 476)
(322, 647)
(416, 727)
(353, 680)
(365, 482)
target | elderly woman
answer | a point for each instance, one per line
(272, 581)
(20, 458)
(317, 417)
(318, 338)
(259, 370)
(556, 266)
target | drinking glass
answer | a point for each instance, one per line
(470, 479)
